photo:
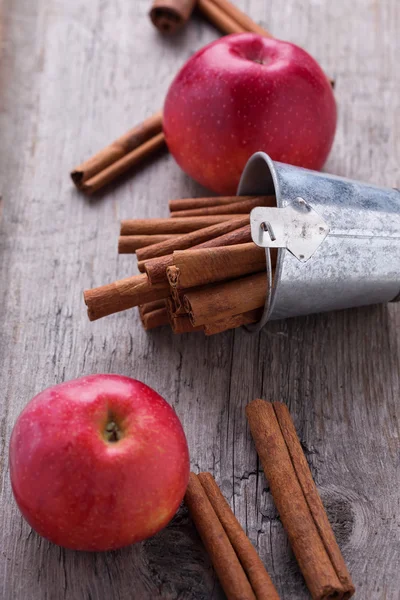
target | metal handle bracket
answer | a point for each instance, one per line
(296, 226)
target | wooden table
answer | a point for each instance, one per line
(73, 76)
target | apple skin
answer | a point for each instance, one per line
(83, 492)
(242, 94)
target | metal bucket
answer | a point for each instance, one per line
(338, 239)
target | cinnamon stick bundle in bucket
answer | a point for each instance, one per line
(207, 275)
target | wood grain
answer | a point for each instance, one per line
(73, 76)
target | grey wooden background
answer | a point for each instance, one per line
(73, 76)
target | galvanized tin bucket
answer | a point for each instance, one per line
(338, 239)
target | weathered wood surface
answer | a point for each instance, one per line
(73, 76)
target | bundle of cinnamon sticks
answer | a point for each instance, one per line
(238, 566)
(200, 269)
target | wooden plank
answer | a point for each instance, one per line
(73, 77)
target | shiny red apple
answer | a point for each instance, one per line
(98, 463)
(245, 93)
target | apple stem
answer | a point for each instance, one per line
(112, 432)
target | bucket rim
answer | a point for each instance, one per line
(258, 178)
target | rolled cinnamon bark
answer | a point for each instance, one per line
(226, 299)
(125, 144)
(203, 266)
(193, 238)
(191, 203)
(177, 295)
(219, 18)
(240, 17)
(128, 244)
(247, 318)
(298, 502)
(260, 581)
(144, 309)
(121, 295)
(181, 324)
(170, 15)
(239, 207)
(162, 226)
(223, 557)
(154, 318)
(157, 268)
(124, 164)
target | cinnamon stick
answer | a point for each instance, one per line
(260, 581)
(190, 203)
(181, 324)
(297, 500)
(170, 15)
(191, 239)
(157, 268)
(223, 557)
(239, 207)
(208, 265)
(226, 299)
(121, 295)
(155, 318)
(219, 18)
(240, 17)
(162, 226)
(123, 145)
(128, 244)
(247, 318)
(177, 295)
(123, 165)
(144, 309)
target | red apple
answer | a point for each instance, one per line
(242, 94)
(98, 463)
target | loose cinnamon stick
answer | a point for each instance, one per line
(238, 207)
(123, 165)
(128, 244)
(209, 265)
(260, 581)
(219, 18)
(121, 295)
(191, 203)
(155, 318)
(247, 318)
(298, 502)
(223, 557)
(226, 299)
(123, 145)
(312, 496)
(157, 268)
(170, 15)
(241, 18)
(162, 226)
(191, 239)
